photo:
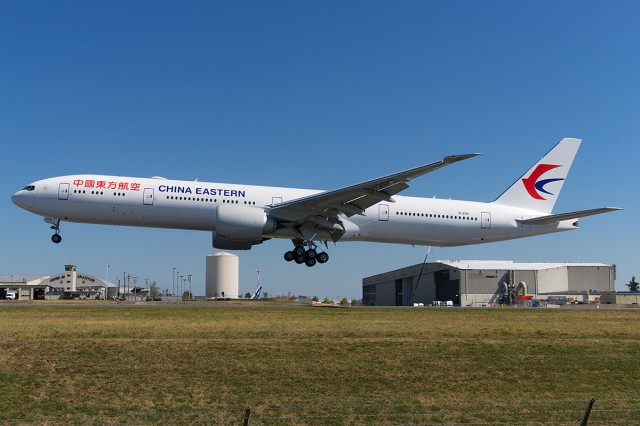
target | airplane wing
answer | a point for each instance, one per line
(554, 218)
(323, 209)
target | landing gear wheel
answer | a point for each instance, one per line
(56, 238)
(305, 251)
(323, 257)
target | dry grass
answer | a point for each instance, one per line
(115, 365)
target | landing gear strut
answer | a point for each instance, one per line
(308, 256)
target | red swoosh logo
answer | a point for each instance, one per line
(530, 182)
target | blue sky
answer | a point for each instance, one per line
(317, 95)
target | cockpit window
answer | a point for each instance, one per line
(29, 188)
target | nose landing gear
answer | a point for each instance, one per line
(55, 225)
(307, 256)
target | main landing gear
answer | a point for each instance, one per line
(307, 256)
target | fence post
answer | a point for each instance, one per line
(247, 413)
(585, 418)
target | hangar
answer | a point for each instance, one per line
(67, 284)
(622, 298)
(487, 282)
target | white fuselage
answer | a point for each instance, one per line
(162, 203)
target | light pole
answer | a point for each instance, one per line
(258, 287)
(127, 289)
(173, 281)
(182, 289)
(177, 283)
(190, 294)
(135, 284)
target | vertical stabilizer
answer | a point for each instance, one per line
(539, 188)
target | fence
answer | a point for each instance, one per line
(542, 412)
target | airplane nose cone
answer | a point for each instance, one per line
(19, 199)
(15, 199)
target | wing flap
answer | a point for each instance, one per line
(555, 218)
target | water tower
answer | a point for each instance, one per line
(222, 275)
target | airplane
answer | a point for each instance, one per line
(241, 216)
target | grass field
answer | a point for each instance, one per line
(203, 364)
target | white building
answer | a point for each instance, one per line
(70, 284)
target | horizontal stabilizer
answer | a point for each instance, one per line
(555, 218)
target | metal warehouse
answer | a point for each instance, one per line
(481, 282)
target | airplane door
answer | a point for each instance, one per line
(485, 220)
(63, 191)
(383, 212)
(148, 197)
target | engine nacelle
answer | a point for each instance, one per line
(240, 227)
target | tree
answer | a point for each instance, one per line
(633, 285)
(315, 299)
(344, 302)
(247, 295)
(153, 289)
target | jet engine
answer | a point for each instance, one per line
(241, 227)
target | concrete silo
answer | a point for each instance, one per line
(222, 275)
